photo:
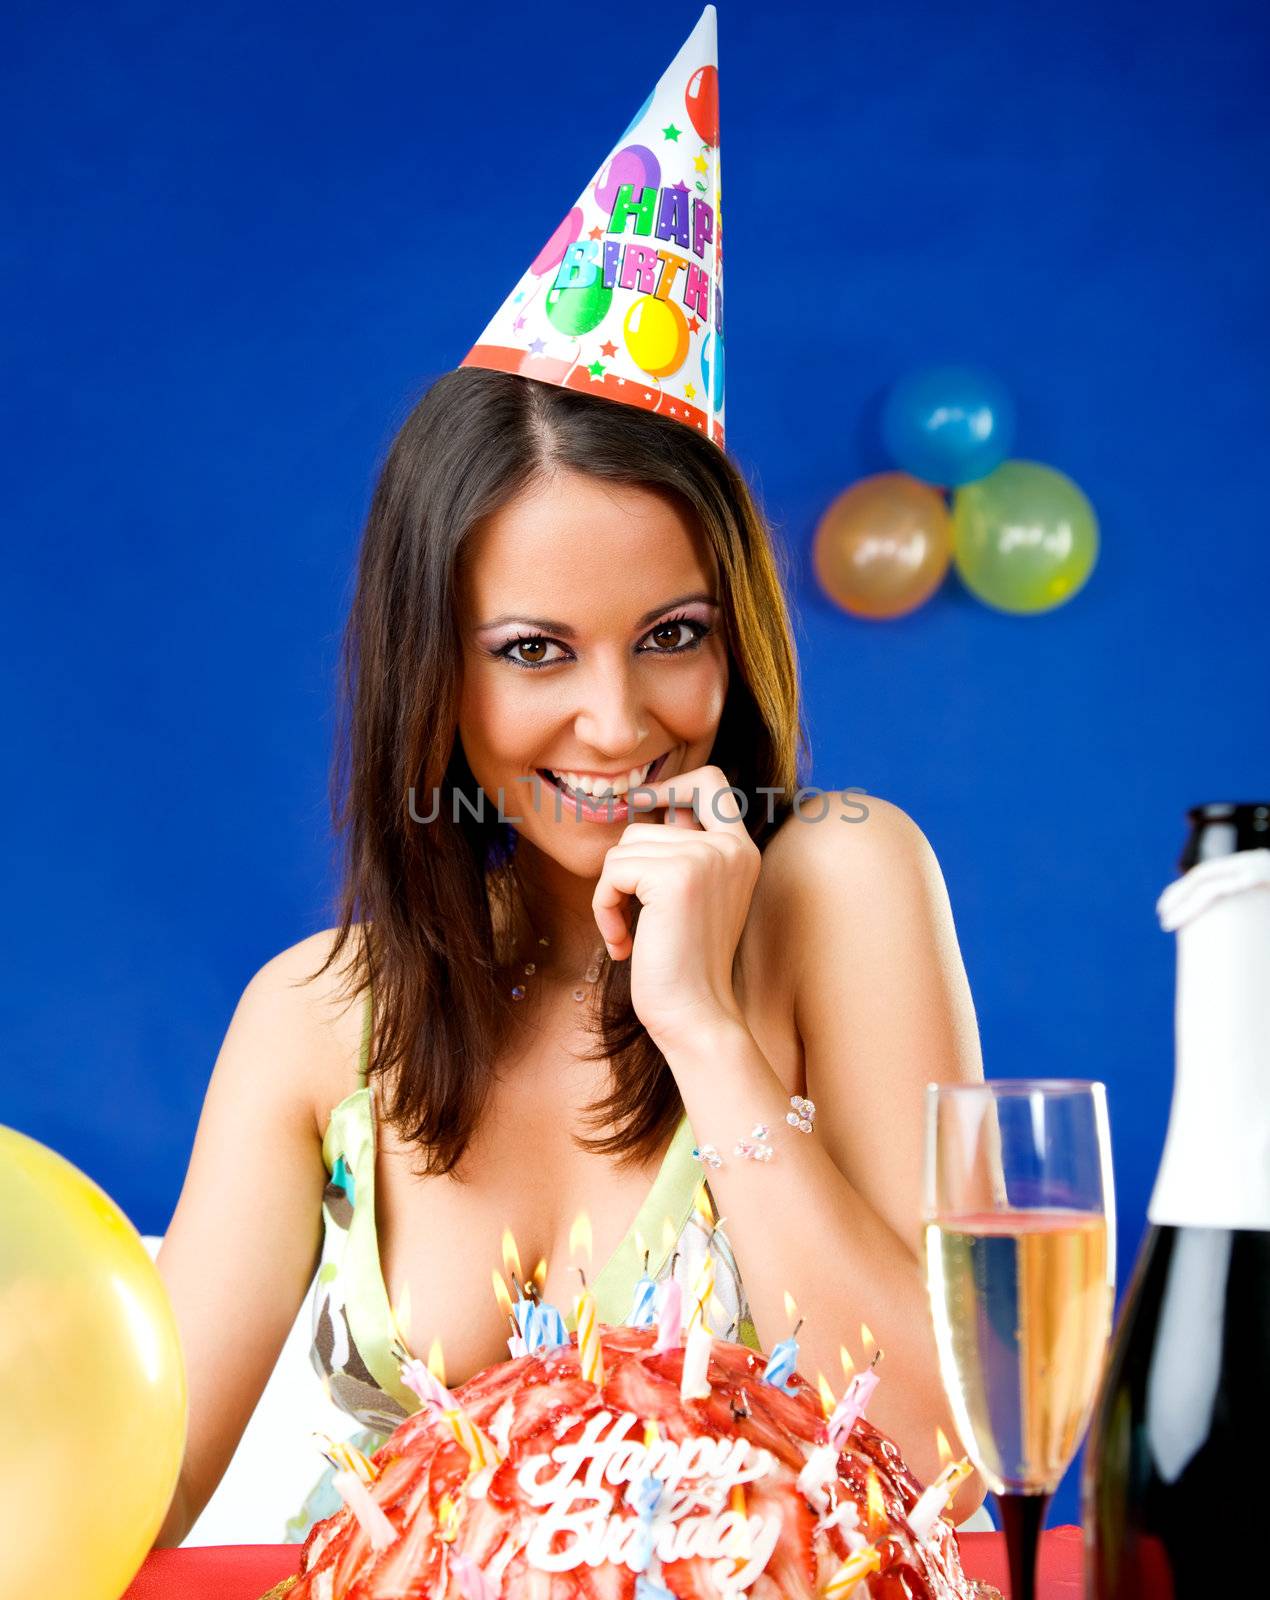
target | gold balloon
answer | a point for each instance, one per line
(93, 1402)
(883, 546)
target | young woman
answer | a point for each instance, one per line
(540, 1002)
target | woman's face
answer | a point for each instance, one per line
(592, 645)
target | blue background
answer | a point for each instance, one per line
(248, 235)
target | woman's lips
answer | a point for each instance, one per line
(602, 808)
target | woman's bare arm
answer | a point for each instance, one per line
(245, 1238)
(882, 1006)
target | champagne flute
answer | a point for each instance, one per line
(1020, 1269)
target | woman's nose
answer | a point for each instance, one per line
(610, 718)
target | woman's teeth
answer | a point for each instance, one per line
(601, 788)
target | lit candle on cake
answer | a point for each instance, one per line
(930, 1504)
(548, 1329)
(481, 1451)
(344, 1454)
(587, 1318)
(850, 1408)
(740, 1544)
(525, 1312)
(704, 1287)
(370, 1517)
(819, 1471)
(779, 1371)
(702, 1291)
(643, 1312)
(518, 1311)
(854, 1568)
(694, 1384)
(670, 1301)
(425, 1380)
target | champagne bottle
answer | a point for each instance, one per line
(1177, 1467)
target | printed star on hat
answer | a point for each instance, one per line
(625, 299)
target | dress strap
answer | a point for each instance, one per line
(364, 1057)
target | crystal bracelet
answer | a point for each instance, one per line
(757, 1147)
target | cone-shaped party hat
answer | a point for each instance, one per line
(625, 299)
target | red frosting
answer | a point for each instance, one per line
(534, 1403)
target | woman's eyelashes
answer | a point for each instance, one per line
(699, 631)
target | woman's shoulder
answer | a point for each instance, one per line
(310, 991)
(834, 834)
(841, 864)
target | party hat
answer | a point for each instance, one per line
(625, 299)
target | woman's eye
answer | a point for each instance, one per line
(533, 645)
(671, 634)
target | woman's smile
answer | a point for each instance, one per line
(597, 798)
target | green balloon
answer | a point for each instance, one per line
(1024, 538)
(577, 311)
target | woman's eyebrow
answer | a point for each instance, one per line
(566, 632)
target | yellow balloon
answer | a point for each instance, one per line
(883, 546)
(656, 335)
(93, 1400)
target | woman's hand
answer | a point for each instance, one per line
(694, 876)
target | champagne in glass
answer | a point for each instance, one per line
(1021, 1274)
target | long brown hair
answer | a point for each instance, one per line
(420, 900)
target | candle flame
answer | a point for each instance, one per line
(668, 1235)
(791, 1306)
(641, 1246)
(436, 1361)
(876, 1505)
(501, 1293)
(848, 1365)
(580, 1235)
(827, 1401)
(511, 1257)
(539, 1277)
(944, 1448)
(652, 1435)
(866, 1336)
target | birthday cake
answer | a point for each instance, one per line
(634, 1473)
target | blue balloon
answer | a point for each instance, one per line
(948, 425)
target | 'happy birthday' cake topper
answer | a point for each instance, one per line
(693, 1511)
(625, 299)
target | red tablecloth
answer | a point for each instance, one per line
(245, 1571)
